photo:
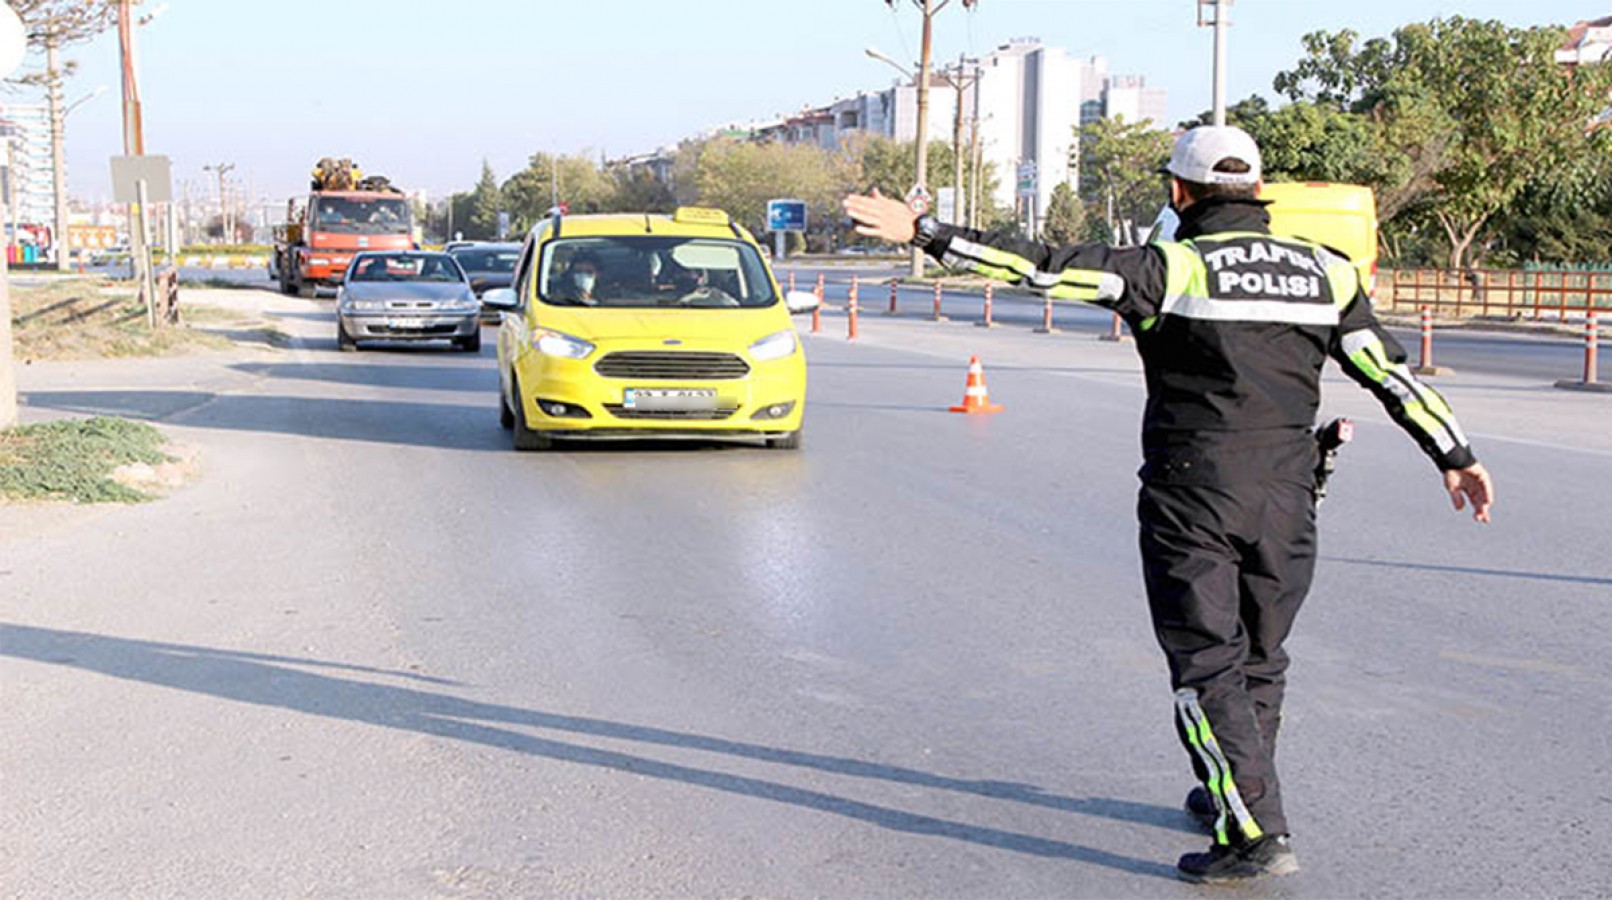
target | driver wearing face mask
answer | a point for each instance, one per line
(582, 278)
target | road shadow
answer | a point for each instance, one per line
(1468, 570)
(387, 375)
(439, 425)
(285, 683)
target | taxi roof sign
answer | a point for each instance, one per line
(700, 215)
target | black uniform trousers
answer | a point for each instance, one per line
(1227, 567)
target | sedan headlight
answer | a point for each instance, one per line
(463, 304)
(363, 305)
(554, 343)
(774, 346)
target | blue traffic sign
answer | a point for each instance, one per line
(786, 215)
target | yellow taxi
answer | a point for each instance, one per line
(646, 325)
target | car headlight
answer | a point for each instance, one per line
(363, 305)
(554, 343)
(774, 346)
(462, 304)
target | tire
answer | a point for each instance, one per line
(506, 416)
(287, 285)
(470, 344)
(344, 343)
(525, 438)
(790, 441)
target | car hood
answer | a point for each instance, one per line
(406, 290)
(706, 326)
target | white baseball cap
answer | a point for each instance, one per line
(1198, 151)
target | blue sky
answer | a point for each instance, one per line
(424, 91)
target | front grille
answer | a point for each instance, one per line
(686, 415)
(382, 330)
(646, 365)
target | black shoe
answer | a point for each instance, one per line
(1270, 855)
(1201, 806)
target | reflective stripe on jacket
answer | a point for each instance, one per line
(1233, 326)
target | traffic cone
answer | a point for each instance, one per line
(976, 399)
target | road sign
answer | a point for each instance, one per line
(919, 200)
(127, 171)
(1027, 178)
(786, 215)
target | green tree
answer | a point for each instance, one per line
(581, 185)
(1119, 166)
(638, 190)
(486, 201)
(1466, 114)
(741, 176)
(1066, 219)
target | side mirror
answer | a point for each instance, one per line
(801, 301)
(501, 299)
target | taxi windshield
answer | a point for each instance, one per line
(646, 271)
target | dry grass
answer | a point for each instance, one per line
(90, 319)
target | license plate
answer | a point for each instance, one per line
(669, 398)
(406, 323)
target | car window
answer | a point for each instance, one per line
(487, 260)
(653, 271)
(407, 267)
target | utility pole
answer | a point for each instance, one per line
(961, 81)
(58, 160)
(134, 145)
(920, 189)
(222, 169)
(1221, 20)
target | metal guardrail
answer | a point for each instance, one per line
(1505, 293)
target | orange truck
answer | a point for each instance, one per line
(344, 213)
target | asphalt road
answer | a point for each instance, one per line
(372, 652)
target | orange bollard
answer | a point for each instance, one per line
(817, 314)
(990, 294)
(1046, 318)
(1426, 367)
(976, 399)
(1114, 332)
(1591, 348)
(851, 310)
(936, 316)
(791, 280)
(1592, 341)
(895, 288)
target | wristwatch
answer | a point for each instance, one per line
(924, 231)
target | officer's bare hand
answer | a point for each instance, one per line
(1471, 484)
(878, 216)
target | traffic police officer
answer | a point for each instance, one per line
(1233, 326)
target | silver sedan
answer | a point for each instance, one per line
(406, 296)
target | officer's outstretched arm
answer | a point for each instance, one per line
(1371, 356)
(1128, 280)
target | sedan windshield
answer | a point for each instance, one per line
(487, 260)
(644, 271)
(348, 215)
(406, 267)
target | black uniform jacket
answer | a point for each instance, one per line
(1233, 327)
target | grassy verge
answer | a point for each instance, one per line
(75, 460)
(88, 319)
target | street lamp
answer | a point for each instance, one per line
(99, 90)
